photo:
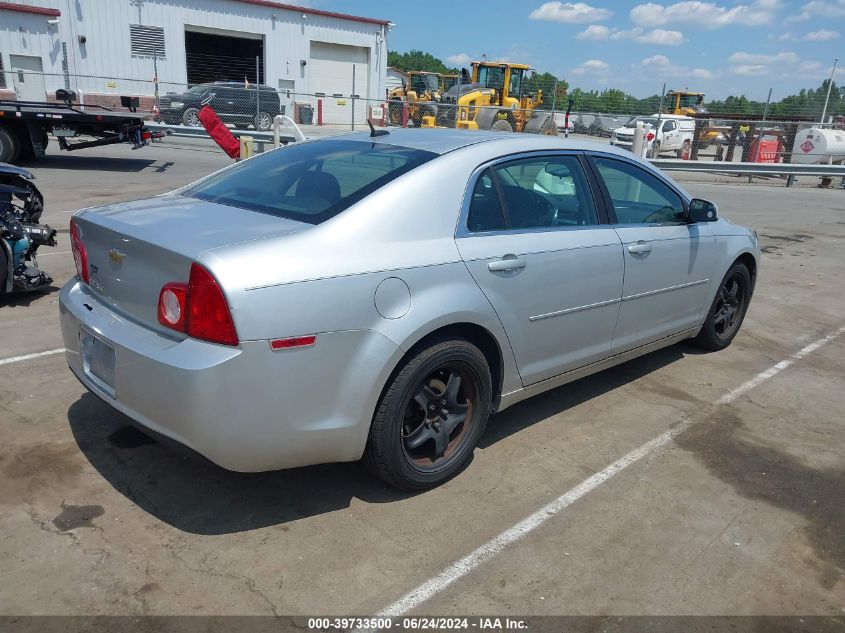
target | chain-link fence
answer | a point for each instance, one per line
(538, 107)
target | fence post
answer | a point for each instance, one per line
(257, 91)
(65, 67)
(353, 97)
(319, 111)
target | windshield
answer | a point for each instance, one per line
(689, 101)
(491, 77)
(425, 83)
(645, 120)
(309, 182)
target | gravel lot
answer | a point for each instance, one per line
(740, 513)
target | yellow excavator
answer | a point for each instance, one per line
(493, 98)
(420, 92)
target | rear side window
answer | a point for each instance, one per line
(310, 182)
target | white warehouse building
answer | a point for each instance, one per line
(118, 47)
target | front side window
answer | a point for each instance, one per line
(639, 197)
(531, 193)
(309, 182)
(668, 126)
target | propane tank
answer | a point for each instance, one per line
(816, 145)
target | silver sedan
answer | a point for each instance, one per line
(378, 297)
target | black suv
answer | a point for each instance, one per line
(233, 102)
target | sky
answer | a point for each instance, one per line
(719, 48)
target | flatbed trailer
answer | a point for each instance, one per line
(25, 126)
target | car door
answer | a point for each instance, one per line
(540, 249)
(225, 103)
(668, 261)
(670, 135)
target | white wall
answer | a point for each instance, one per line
(106, 54)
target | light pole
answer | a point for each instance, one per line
(829, 86)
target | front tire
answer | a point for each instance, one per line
(728, 310)
(190, 117)
(430, 416)
(654, 151)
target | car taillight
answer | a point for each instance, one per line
(172, 305)
(197, 308)
(80, 255)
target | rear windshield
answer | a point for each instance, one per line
(310, 182)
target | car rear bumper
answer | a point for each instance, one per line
(246, 408)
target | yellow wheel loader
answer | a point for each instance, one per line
(691, 104)
(420, 92)
(493, 98)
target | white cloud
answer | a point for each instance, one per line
(657, 60)
(830, 9)
(570, 13)
(661, 37)
(594, 32)
(749, 70)
(591, 65)
(625, 35)
(704, 14)
(460, 59)
(822, 35)
(754, 58)
(702, 73)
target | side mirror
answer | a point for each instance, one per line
(702, 211)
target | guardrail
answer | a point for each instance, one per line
(261, 139)
(754, 169)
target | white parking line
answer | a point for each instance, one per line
(40, 255)
(18, 359)
(464, 566)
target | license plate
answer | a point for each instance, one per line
(98, 361)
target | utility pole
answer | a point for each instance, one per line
(829, 86)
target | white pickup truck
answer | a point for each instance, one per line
(669, 133)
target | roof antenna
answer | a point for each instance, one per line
(374, 132)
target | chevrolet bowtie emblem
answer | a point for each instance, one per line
(116, 256)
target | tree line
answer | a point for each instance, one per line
(806, 103)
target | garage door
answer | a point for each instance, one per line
(330, 72)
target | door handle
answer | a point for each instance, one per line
(508, 262)
(640, 248)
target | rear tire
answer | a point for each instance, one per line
(263, 122)
(430, 416)
(727, 311)
(9, 146)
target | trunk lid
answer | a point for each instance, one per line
(134, 248)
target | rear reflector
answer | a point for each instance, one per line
(296, 341)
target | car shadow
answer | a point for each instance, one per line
(199, 497)
(91, 163)
(528, 412)
(26, 298)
